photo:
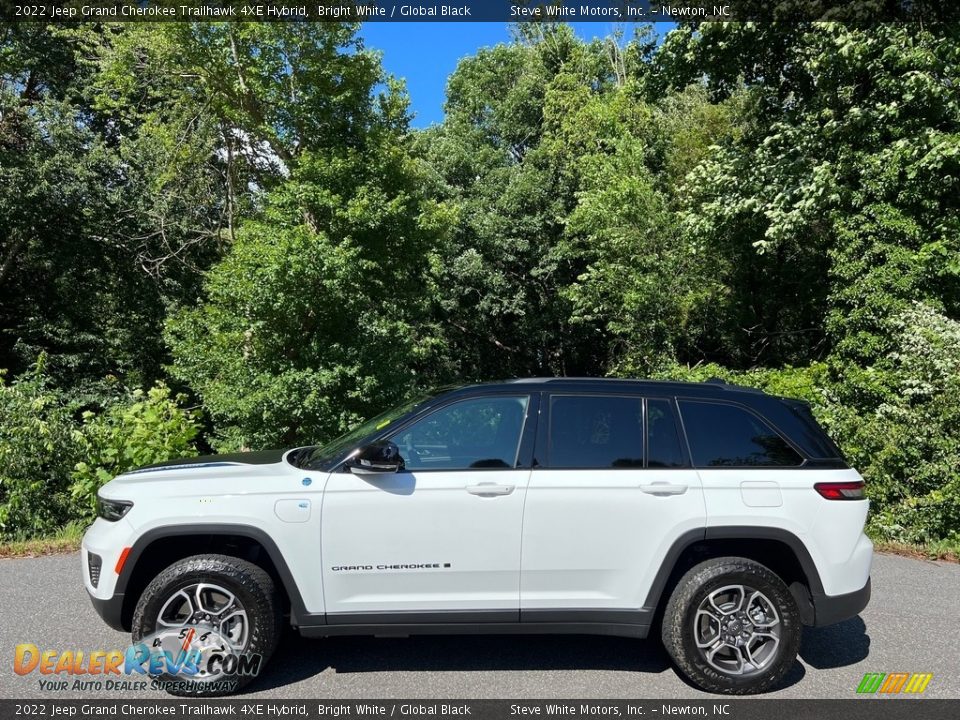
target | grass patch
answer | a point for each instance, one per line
(941, 550)
(66, 539)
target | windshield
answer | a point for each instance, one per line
(319, 457)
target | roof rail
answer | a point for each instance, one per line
(735, 386)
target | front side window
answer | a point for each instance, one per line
(480, 433)
(596, 432)
(723, 435)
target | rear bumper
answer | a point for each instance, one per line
(830, 609)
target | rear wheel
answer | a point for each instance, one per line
(731, 626)
(214, 613)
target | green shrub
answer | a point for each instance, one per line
(909, 448)
(38, 447)
(138, 430)
(54, 458)
(804, 383)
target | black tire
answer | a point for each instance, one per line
(679, 635)
(254, 590)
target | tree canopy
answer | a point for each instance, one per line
(244, 214)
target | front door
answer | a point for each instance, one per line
(444, 534)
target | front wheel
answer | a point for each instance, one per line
(731, 626)
(207, 624)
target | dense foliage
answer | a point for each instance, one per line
(37, 451)
(244, 213)
(55, 456)
(133, 431)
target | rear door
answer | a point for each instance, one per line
(614, 488)
(444, 534)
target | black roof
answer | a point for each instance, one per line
(709, 388)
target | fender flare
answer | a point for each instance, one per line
(733, 532)
(297, 607)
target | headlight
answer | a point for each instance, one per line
(112, 510)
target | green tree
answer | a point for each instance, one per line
(846, 166)
(317, 315)
(108, 199)
(511, 164)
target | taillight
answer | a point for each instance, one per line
(841, 490)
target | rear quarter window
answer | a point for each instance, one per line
(724, 435)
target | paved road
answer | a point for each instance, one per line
(911, 625)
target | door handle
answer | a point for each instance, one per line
(489, 489)
(663, 488)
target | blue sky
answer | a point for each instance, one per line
(426, 53)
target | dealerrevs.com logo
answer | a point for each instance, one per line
(181, 659)
(894, 683)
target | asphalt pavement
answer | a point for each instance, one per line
(911, 625)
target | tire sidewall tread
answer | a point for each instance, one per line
(690, 591)
(253, 587)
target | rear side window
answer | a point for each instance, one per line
(663, 441)
(724, 435)
(596, 432)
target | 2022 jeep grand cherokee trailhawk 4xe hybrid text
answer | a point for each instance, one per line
(721, 516)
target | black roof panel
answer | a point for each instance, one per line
(711, 388)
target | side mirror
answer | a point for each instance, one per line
(376, 459)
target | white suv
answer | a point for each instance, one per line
(721, 516)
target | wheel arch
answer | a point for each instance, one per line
(778, 549)
(160, 547)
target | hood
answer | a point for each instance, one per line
(263, 457)
(209, 475)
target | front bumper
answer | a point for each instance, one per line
(830, 609)
(110, 610)
(106, 541)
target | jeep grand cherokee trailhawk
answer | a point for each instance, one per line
(719, 516)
